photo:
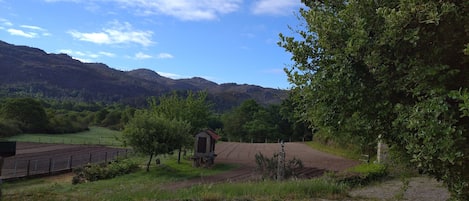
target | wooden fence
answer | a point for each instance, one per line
(20, 168)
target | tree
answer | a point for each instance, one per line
(153, 134)
(28, 112)
(391, 68)
(193, 109)
(235, 120)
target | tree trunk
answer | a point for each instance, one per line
(179, 156)
(149, 162)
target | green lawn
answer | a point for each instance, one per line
(96, 135)
(150, 186)
(334, 150)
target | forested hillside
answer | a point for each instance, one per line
(27, 71)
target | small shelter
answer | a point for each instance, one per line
(204, 153)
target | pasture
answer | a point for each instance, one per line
(234, 169)
(95, 136)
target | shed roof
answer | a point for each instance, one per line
(212, 134)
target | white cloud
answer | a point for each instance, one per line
(189, 10)
(108, 54)
(36, 29)
(118, 33)
(165, 56)
(5, 22)
(275, 7)
(142, 56)
(32, 27)
(17, 32)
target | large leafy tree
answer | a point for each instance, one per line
(192, 108)
(29, 112)
(394, 68)
(153, 134)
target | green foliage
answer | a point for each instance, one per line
(9, 127)
(28, 112)
(65, 122)
(368, 68)
(193, 108)
(154, 134)
(253, 122)
(361, 174)
(95, 172)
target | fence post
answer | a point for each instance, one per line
(281, 163)
(16, 165)
(50, 166)
(70, 163)
(90, 158)
(35, 165)
(27, 168)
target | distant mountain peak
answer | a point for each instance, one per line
(27, 70)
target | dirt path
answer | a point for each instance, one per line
(419, 189)
(315, 162)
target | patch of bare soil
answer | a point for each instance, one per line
(418, 189)
(315, 162)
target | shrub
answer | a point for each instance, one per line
(94, 172)
(269, 166)
(9, 127)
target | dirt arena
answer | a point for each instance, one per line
(315, 162)
(41, 158)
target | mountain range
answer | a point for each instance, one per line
(28, 71)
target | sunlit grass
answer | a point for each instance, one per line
(338, 151)
(135, 186)
(151, 185)
(95, 136)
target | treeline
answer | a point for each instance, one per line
(248, 122)
(30, 115)
(252, 122)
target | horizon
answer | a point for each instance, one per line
(223, 41)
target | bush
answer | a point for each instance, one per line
(9, 127)
(269, 166)
(94, 172)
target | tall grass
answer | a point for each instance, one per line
(94, 136)
(263, 190)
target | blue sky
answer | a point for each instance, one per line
(223, 41)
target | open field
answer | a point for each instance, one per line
(223, 182)
(95, 136)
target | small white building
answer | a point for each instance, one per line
(204, 153)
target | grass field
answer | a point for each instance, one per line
(95, 136)
(150, 186)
